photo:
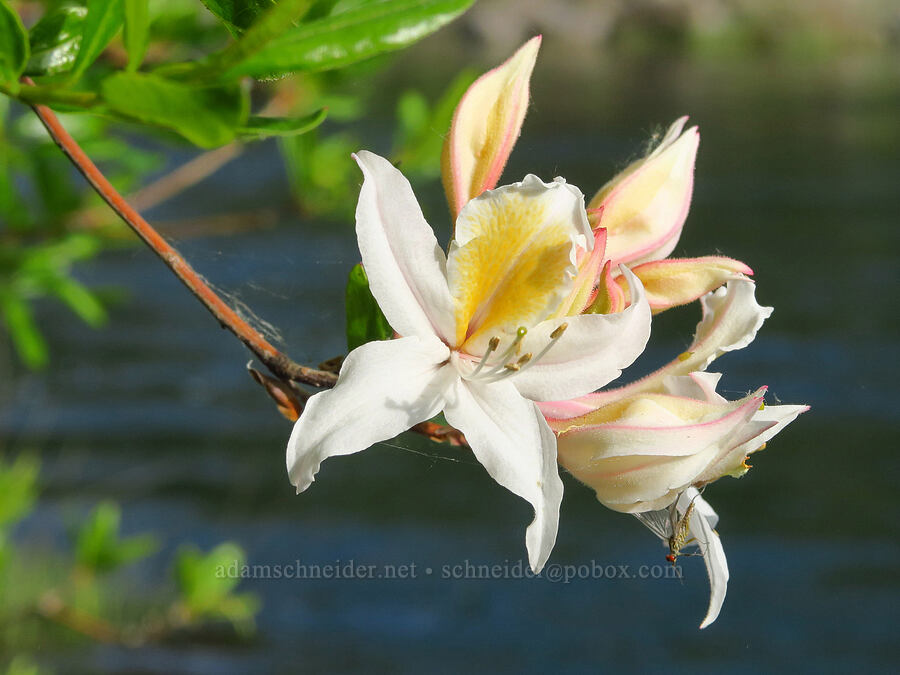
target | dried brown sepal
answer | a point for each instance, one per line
(332, 365)
(440, 433)
(285, 398)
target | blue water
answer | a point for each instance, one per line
(157, 412)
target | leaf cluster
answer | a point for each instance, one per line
(204, 98)
(83, 591)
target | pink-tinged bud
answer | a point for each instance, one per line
(485, 127)
(645, 206)
(641, 452)
(679, 281)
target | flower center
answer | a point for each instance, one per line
(492, 368)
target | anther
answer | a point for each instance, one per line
(492, 347)
(559, 331)
(512, 366)
(525, 358)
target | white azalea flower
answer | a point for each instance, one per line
(645, 448)
(478, 341)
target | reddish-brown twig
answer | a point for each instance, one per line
(280, 364)
(277, 362)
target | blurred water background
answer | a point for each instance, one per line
(797, 175)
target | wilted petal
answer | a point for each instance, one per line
(645, 206)
(591, 352)
(485, 127)
(384, 388)
(405, 265)
(679, 281)
(703, 522)
(512, 260)
(510, 438)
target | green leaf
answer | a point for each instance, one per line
(238, 15)
(18, 489)
(23, 330)
(264, 127)
(346, 37)
(320, 9)
(13, 45)
(204, 579)
(55, 40)
(365, 320)
(206, 116)
(80, 300)
(103, 20)
(98, 546)
(136, 34)
(206, 583)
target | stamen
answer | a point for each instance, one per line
(492, 347)
(555, 335)
(511, 368)
(509, 353)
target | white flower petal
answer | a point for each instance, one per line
(700, 386)
(731, 319)
(511, 439)
(703, 520)
(405, 265)
(766, 423)
(779, 416)
(592, 351)
(384, 388)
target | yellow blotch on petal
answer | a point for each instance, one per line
(512, 267)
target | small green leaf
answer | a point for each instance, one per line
(103, 20)
(345, 37)
(264, 127)
(238, 15)
(13, 45)
(18, 489)
(55, 40)
(136, 34)
(98, 546)
(80, 300)
(365, 320)
(23, 330)
(206, 583)
(206, 116)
